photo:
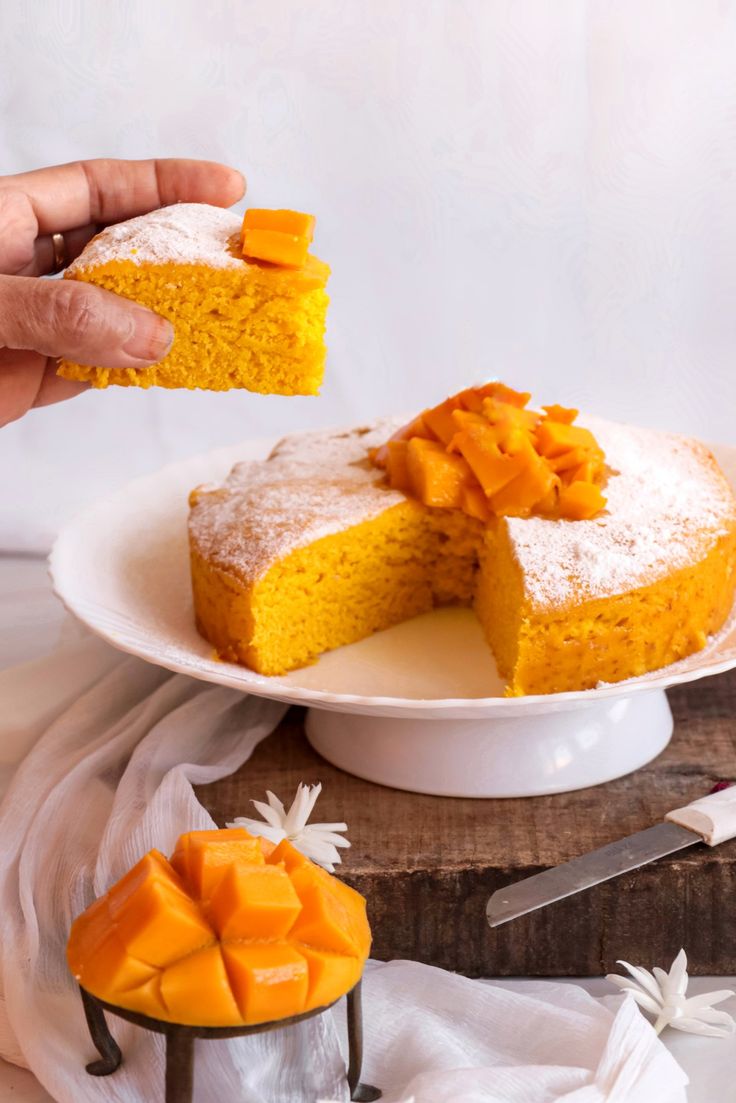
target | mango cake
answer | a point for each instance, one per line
(312, 549)
(240, 320)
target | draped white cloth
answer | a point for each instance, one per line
(99, 755)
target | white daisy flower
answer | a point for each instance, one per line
(318, 841)
(663, 995)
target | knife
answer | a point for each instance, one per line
(710, 820)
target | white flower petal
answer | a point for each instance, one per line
(678, 973)
(315, 831)
(710, 1015)
(322, 853)
(649, 1003)
(644, 977)
(301, 808)
(275, 803)
(706, 999)
(695, 1026)
(662, 977)
(255, 827)
(269, 814)
(621, 982)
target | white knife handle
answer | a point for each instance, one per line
(712, 817)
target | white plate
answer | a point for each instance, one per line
(122, 568)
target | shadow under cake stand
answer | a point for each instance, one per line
(180, 1043)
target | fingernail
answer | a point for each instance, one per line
(151, 338)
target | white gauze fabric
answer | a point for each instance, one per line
(94, 782)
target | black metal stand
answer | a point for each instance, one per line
(180, 1044)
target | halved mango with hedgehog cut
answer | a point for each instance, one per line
(234, 931)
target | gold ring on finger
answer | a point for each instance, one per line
(59, 245)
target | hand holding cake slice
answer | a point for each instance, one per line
(248, 303)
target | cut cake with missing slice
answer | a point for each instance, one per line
(309, 550)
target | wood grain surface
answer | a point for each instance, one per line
(428, 864)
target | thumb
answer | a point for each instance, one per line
(80, 322)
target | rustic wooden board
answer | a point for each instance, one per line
(428, 864)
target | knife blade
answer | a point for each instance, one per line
(710, 819)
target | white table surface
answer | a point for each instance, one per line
(31, 622)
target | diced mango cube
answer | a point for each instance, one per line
(330, 975)
(518, 498)
(109, 967)
(286, 250)
(269, 980)
(566, 461)
(475, 503)
(503, 413)
(145, 998)
(254, 902)
(287, 222)
(206, 855)
(491, 467)
(158, 924)
(180, 857)
(554, 438)
(152, 867)
(286, 854)
(580, 501)
(197, 992)
(88, 930)
(560, 413)
(413, 428)
(266, 846)
(440, 420)
(472, 398)
(397, 467)
(332, 916)
(436, 476)
(279, 237)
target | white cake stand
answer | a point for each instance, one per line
(417, 707)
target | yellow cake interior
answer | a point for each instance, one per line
(253, 325)
(411, 559)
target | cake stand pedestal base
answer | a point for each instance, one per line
(567, 746)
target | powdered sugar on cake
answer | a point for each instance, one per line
(186, 233)
(313, 485)
(667, 505)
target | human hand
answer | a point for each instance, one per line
(41, 320)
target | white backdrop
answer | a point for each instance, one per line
(544, 191)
